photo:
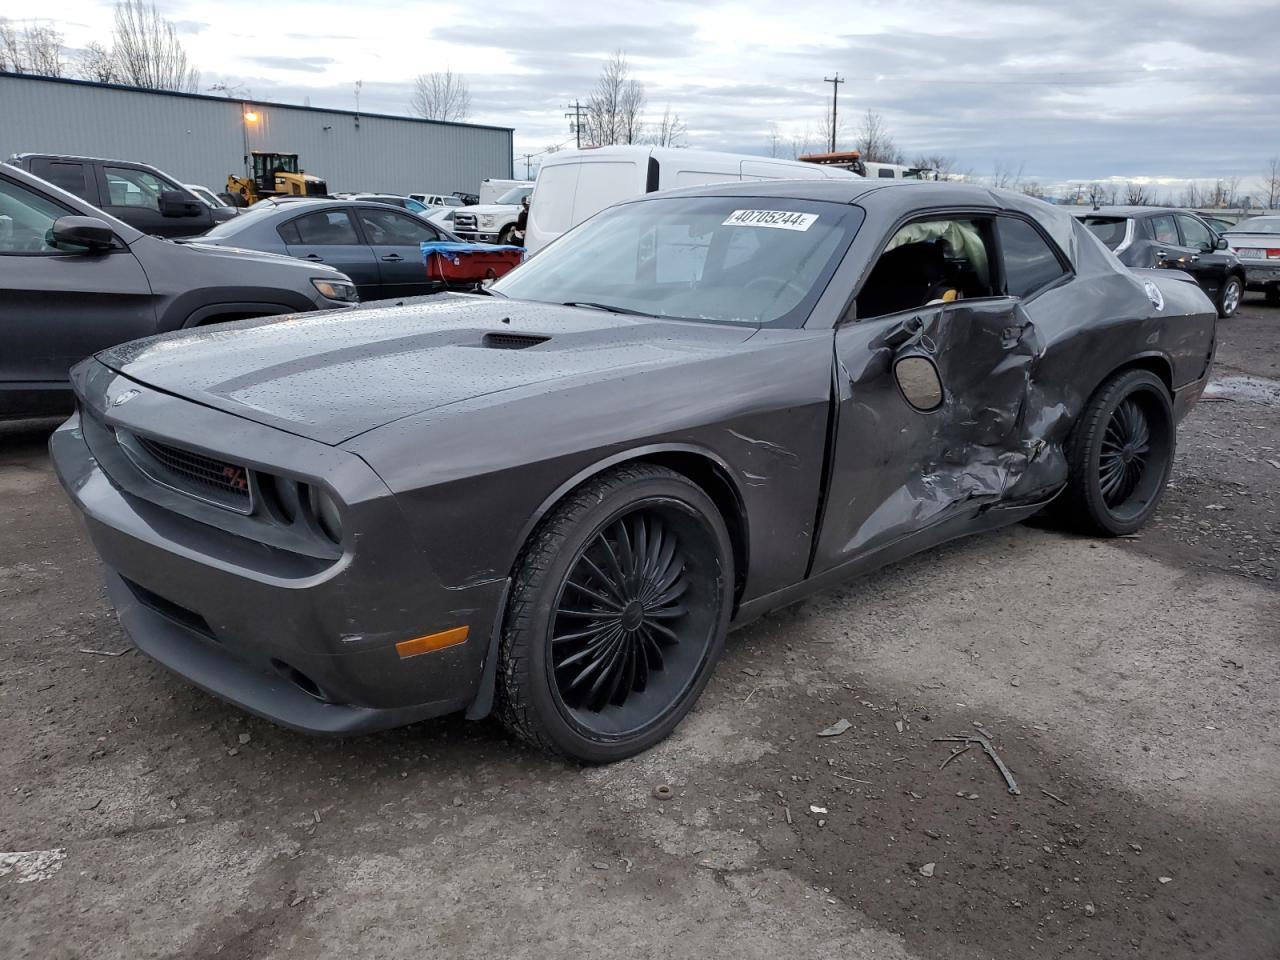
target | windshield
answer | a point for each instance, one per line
(1110, 230)
(451, 202)
(724, 259)
(1257, 225)
(514, 195)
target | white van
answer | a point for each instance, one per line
(574, 185)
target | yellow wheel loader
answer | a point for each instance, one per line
(274, 175)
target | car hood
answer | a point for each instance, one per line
(481, 209)
(242, 255)
(333, 376)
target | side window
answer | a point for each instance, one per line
(25, 220)
(1030, 263)
(930, 261)
(386, 228)
(66, 174)
(1194, 233)
(289, 232)
(1163, 229)
(885, 173)
(331, 228)
(134, 188)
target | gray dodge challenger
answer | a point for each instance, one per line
(552, 500)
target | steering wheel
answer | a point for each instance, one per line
(774, 283)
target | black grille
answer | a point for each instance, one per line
(229, 481)
(512, 341)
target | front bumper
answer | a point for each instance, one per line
(477, 236)
(304, 641)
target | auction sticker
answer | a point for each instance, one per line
(778, 219)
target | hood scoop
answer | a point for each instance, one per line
(511, 341)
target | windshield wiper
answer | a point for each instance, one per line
(607, 307)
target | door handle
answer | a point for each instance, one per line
(393, 258)
(314, 258)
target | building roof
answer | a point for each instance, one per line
(249, 101)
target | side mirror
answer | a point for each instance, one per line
(89, 233)
(175, 203)
(1221, 244)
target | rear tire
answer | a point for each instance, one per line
(1119, 456)
(617, 615)
(1229, 297)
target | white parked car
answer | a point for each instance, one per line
(437, 199)
(1256, 242)
(575, 185)
(210, 199)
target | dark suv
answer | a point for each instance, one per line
(136, 193)
(74, 280)
(1177, 239)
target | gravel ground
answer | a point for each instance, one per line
(1130, 686)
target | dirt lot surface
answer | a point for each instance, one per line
(1130, 686)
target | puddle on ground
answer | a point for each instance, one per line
(1250, 389)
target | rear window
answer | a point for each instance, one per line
(69, 175)
(1110, 230)
(1257, 225)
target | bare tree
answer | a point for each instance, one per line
(1096, 195)
(671, 130)
(874, 142)
(616, 105)
(802, 144)
(1137, 195)
(1032, 188)
(942, 165)
(1190, 196)
(147, 50)
(773, 140)
(32, 49)
(1271, 183)
(441, 96)
(1004, 176)
(96, 62)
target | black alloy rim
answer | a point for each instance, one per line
(1133, 456)
(634, 619)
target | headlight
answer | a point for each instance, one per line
(340, 290)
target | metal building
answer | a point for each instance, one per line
(200, 139)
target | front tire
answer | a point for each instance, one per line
(1229, 297)
(617, 615)
(1119, 455)
(504, 238)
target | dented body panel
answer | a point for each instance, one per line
(448, 430)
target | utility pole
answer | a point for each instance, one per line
(835, 93)
(527, 158)
(576, 126)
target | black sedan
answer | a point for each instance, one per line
(1176, 239)
(554, 500)
(374, 244)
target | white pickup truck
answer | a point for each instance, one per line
(491, 222)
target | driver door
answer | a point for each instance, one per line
(927, 431)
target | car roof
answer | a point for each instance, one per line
(1133, 212)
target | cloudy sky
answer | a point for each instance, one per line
(1084, 90)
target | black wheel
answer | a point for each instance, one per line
(504, 237)
(617, 616)
(1229, 296)
(1273, 295)
(1119, 455)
